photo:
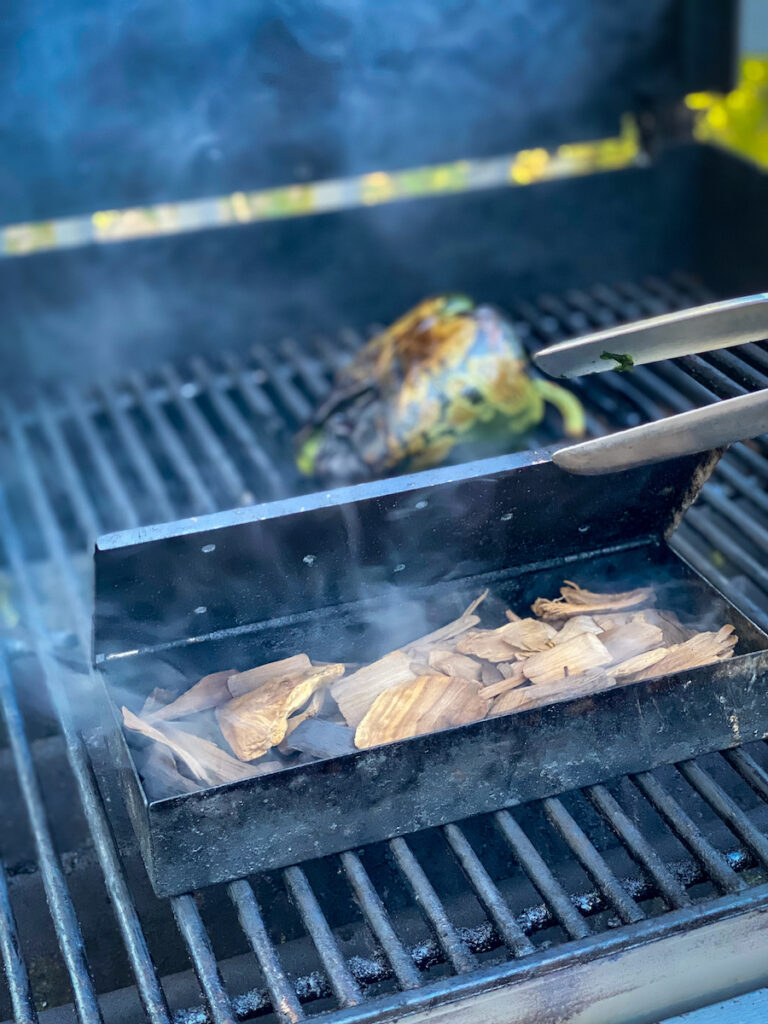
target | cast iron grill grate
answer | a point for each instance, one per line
(399, 924)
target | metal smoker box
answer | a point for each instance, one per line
(351, 574)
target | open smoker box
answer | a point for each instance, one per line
(353, 574)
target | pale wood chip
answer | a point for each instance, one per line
(524, 697)
(572, 657)
(210, 692)
(673, 629)
(451, 663)
(576, 626)
(512, 616)
(253, 723)
(356, 692)
(574, 600)
(243, 682)
(201, 758)
(638, 667)
(527, 635)
(701, 649)
(624, 642)
(424, 705)
(514, 679)
(488, 644)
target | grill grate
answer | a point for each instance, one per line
(418, 918)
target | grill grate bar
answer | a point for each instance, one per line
(59, 900)
(203, 959)
(593, 863)
(248, 384)
(724, 806)
(342, 981)
(688, 833)
(151, 994)
(296, 404)
(748, 769)
(122, 502)
(682, 544)
(703, 523)
(734, 365)
(714, 380)
(83, 507)
(454, 948)
(377, 917)
(139, 456)
(638, 846)
(200, 428)
(174, 449)
(308, 368)
(541, 877)
(488, 893)
(16, 974)
(240, 429)
(282, 995)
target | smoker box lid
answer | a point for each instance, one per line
(162, 102)
(186, 580)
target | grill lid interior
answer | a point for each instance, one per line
(154, 103)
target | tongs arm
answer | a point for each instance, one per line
(686, 332)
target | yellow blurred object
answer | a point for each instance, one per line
(737, 121)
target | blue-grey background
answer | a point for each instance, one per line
(109, 103)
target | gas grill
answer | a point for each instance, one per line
(630, 900)
(490, 905)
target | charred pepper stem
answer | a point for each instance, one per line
(567, 404)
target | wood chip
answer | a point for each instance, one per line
(638, 667)
(672, 628)
(570, 658)
(210, 692)
(702, 649)
(576, 626)
(516, 678)
(522, 698)
(488, 644)
(428, 703)
(574, 600)
(356, 693)
(253, 723)
(624, 642)
(201, 758)
(451, 663)
(512, 616)
(528, 635)
(245, 682)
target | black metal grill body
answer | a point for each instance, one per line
(573, 887)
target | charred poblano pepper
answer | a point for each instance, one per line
(439, 375)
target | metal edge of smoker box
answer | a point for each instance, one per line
(323, 807)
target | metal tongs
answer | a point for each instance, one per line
(688, 332)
